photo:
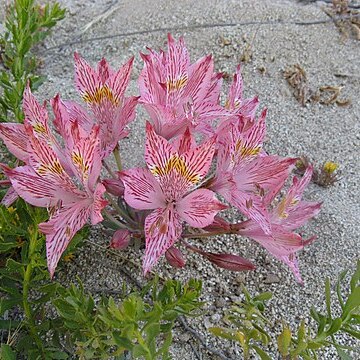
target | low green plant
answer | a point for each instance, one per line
(24, 280)
(250, 324)
(26, 25)
(140, 324)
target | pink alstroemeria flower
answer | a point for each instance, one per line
(103, 90)
(16, 139)
(179, 95)
(245, 174)
(44, 181)
(166, 187)
(287, 216)
(235, 102)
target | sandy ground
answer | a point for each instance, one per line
(321, 132)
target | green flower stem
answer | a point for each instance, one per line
(26, 286)
(112, 219)
(207, 234)
(117, 157)
(108, 169)
(121, 212)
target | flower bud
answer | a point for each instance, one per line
(218, 224)
(120, 239)
(114, 186)
(174, 257)
(230, 262)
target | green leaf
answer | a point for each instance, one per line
(263, 355)
(7, 353)
(335, 327)
(343, 355)
(355, 278)
(152, 331)
(284, 341)
(223, 333)
(263, 296)
(139, 350)
(352, 303)
(314, 314)
(122, 341)
(328, 297)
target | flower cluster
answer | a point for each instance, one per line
(196, 149)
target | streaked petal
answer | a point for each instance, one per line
(36, 116)
(197, 161)
(263, 173)
(10, 197)
(162, 229)
(84, 157)
(200, 76)
(184, 142)
(177, 65)
(60, 229)
(303, 212)
(199, 208)
(158, 152)
(87, 80)
(118, 81)
(236, 89)
(252, 207)
(142, 190)
(15, 139)
(98, 204)
(37, 190)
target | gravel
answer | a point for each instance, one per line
(318, 131)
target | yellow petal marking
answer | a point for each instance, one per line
(178, 164)
(55, 168)
(172, 85)
(79, 161)
(100, 94)
(39, 128)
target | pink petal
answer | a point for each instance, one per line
(84, 157)
(197, 161)
(44, 160)
(200, 76)
(150, 78)
(235, 94)
(120, 80)
(185, 142)
(199, 208)
(98, 204)
(37, 190)
(126, 116)
(36, 116)
(78, 114)
(158, 152)
(252, 207)
(162, 229)
(142, 190)
(60, 229)
(262, 173)
(62, 117)
(282, 244)
(213, 92)
(15, 139)
(103, 70)
(300, 215)
(10, 197)
(177, 65)
(87, 80)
